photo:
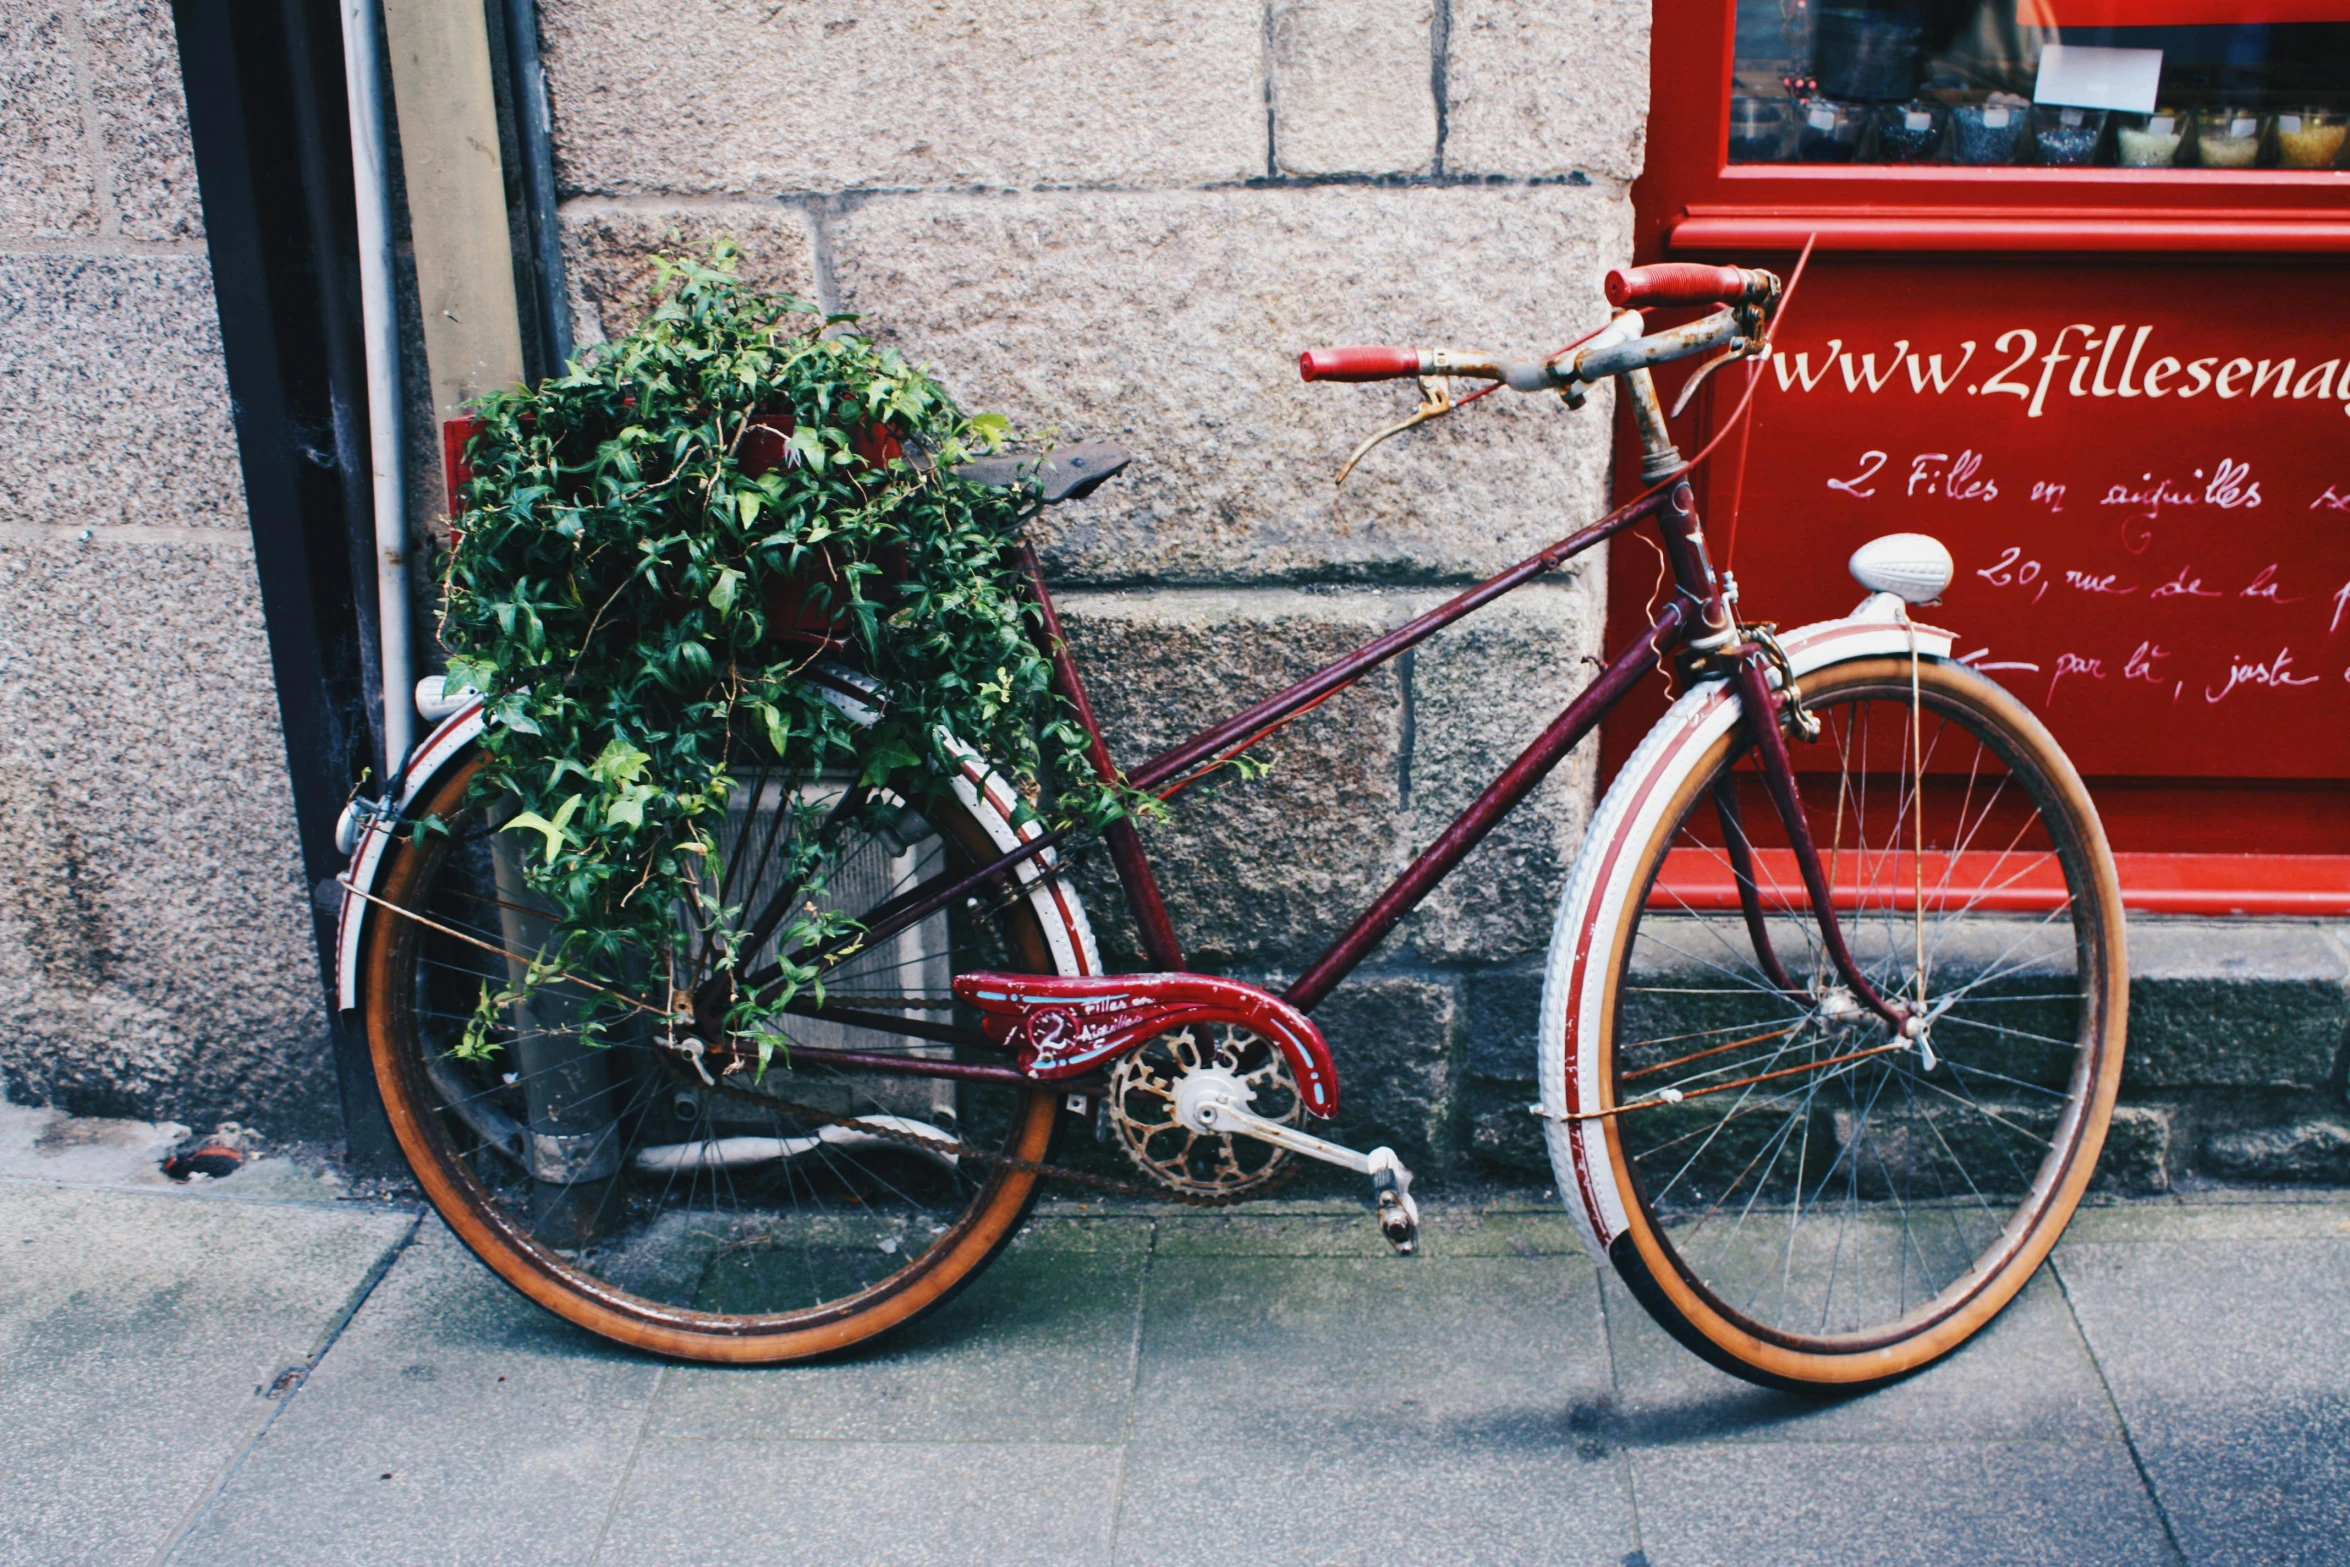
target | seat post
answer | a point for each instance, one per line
(1141, 883)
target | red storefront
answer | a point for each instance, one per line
(2075, 307)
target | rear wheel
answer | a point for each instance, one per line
(1805, 1200)
(666, 1201)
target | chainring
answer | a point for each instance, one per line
(1213, 1165)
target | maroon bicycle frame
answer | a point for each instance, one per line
(1695, 618)
(1667, 634)
(1697, 603)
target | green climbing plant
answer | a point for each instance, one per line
(651, 550)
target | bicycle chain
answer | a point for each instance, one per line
(1069, 857)
(945, 1144)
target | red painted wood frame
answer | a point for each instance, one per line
(1692, 199)
(1972, 249)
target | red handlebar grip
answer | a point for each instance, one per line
(1357, 364)
(1675, 283)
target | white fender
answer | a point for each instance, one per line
(425, 763)
(984, 792)
(1575, 982)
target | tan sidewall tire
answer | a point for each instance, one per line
(979, 1235)
(1640, 1253)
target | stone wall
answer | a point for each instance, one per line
(1118, 220)
(1124, 220)
(155, 950)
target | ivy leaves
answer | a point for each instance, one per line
(655, 548)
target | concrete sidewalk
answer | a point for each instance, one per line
(202, 1377)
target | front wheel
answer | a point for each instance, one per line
(1793, 1192)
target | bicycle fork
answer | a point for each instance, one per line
(1762, 707)
(1715, 632)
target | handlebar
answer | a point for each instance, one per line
(1687, 283)
(1616, 349)
(1358, 364)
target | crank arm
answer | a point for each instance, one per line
(1391, 1182)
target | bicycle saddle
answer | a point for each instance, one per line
(1066, 473)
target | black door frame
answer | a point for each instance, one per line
(266, 112)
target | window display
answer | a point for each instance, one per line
(2196, 84)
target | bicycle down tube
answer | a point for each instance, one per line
(1696, 620)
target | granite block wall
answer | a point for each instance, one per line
(155, 949)
(1112, 220)
(1123, 221)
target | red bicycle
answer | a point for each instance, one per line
(1829, 1040)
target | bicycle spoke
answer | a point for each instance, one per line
(1816, 1174)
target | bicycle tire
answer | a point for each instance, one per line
(471, 1178)
(1643, 995)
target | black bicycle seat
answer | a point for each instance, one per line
(1066, 473)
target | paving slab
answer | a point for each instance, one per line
(2229, 1357)
(690, 1502)
(1376, 1496)
(2027, 1377)
(1304, 1344)
(2275, 1215)
(1039, 1348)
(1348, 1231)
(144, 1339)
(1908, 1504)
(1143, 1385)
(455, 1422)
(1317, 1409)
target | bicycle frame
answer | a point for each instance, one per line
(1698, 620)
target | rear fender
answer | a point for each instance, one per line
(425, 765)
(983, 791)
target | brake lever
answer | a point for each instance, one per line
(1435, 402)
(1750, 330)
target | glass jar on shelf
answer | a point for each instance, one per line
(2066, 137)
(1761, 129)
(1828, 130)
(1987, 133)
(2311, 138)
(1910, 132)
(2149, 141)
(2228, 137)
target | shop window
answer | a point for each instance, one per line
(2185, 84)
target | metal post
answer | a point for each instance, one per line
(363, 82)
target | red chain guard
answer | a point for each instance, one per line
(1061, 1028)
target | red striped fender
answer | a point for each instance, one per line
(983, 792)
(1575, 985)
(1062, 1028)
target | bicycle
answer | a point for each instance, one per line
(1830, 1034)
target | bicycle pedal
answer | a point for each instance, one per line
(1391, 1191)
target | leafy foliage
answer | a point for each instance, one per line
(653, 547)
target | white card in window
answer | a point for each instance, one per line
(2096, 78)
